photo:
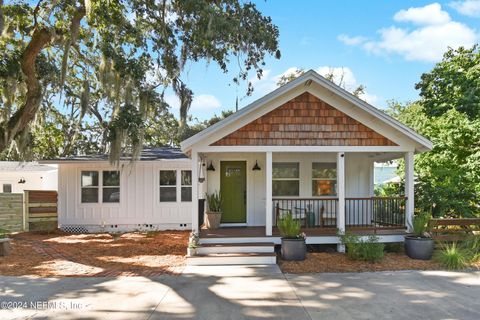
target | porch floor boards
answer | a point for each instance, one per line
(255, 232)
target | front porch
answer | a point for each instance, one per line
(326, 191)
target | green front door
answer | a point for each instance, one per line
(233, 186)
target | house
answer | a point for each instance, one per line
(153, 193)
(308, 147)
(16, 177)
(316, 145)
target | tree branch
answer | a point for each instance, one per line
(20, 119)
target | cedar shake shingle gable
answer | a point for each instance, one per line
(305, 121)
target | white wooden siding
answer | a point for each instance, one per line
(139, 205)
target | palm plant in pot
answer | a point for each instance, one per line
(419, 244)
(213, 215)
(293, 242)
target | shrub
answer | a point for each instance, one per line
(395, 247)
(215, 202)
(452, 256)
(3, 233)
(420, 224)
(367, 250)
(289, 227)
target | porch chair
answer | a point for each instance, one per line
(297, 214)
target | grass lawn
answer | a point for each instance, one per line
(66, 255)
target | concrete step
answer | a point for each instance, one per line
(226, 240)
(259, 247)
(232, 259)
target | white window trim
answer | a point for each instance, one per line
(288, 179)
(323, 179)
(177, 189)
(184, 185)
(99, 187)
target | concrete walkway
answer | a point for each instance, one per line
(246, 293)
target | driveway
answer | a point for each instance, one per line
(237, 292)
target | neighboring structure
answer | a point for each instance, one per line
(15, 177)
(308, 147)
(386, 173)
(153, 193)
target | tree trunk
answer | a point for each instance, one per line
(20, 119)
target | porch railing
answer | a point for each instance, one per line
(375, 212)
(311, 212)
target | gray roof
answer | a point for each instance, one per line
(24, 166)
(147, 154)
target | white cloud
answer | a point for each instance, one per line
(428, 41)
(201, 102)
(351, 41)
(431, 14)
(469, 8)
(344, 77)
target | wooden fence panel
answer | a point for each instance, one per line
(41, 211)
(454, 229)
(11, 211)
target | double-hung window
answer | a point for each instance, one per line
(168, 185)
(324, 179)
(186, 191)
(89, 184)
(111, 186)
(285, 179)
(92, 187)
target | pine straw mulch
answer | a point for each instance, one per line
(67, 255)
(339, 262)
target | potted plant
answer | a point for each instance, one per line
(419, 244)
(193, 241)
(213, 215)
(293, 242)
(4, 243)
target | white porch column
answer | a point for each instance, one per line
(268, 194)
(409, 188)
(341, 196)
(195, 172)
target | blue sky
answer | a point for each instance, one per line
(384, 45)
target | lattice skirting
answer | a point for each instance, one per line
(77, 228)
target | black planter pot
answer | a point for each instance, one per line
(419, 248)
(293, 249)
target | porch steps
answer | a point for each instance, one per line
(212, 248)
(232, 259)
(260, 253)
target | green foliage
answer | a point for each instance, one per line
(420, 224)
(4, 233)
(215, 201)
(448, 179)
(453, 83)
(452, 256)
(289, 227)
(363, 249)
(96, 58)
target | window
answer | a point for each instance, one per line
(324, 179)
(186, 190)
(285, 179)
(111, 186)
(168, 186)
(7, 188)
(89, 184)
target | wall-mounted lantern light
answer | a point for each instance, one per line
(256, 166)
(210, 167)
